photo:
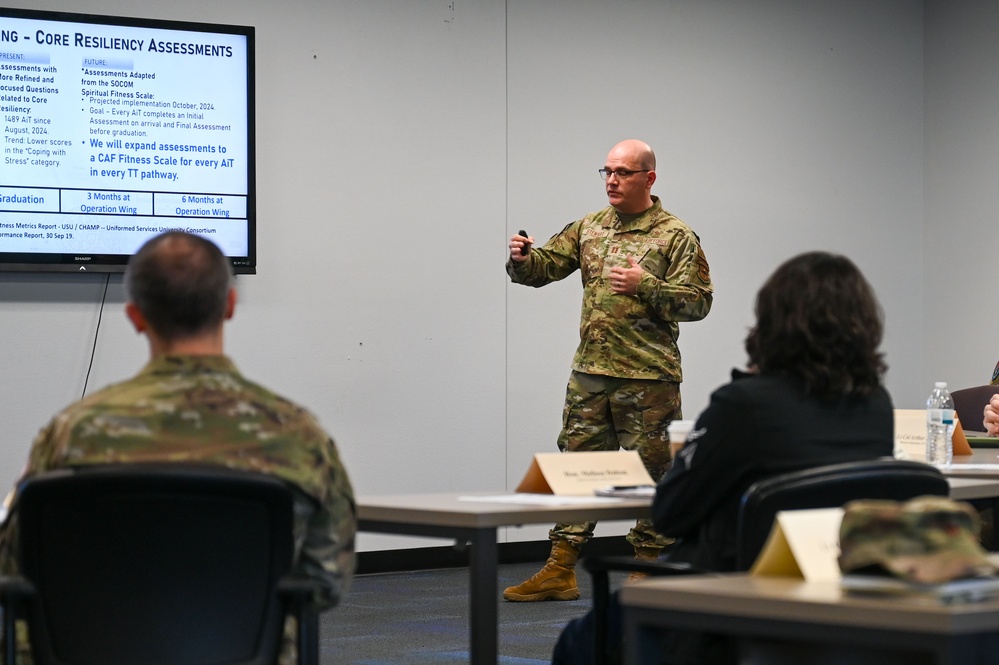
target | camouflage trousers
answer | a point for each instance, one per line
(609, 413)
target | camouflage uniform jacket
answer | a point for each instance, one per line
(632, 337)
(199, 409)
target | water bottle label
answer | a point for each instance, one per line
(940, 416)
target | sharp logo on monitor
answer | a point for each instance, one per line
(117, 129)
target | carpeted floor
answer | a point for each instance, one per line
(421, 618)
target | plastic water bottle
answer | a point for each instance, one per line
(940, 425)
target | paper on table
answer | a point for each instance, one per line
(637, 492)
(956, 591)
(540, 499)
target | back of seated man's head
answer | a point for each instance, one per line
(180, 283)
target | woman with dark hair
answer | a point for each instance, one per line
(813, 397)
(817, 319)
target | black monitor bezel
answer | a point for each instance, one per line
(116, 263)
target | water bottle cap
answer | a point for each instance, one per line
(940, 384)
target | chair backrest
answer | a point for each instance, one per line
(828, 487)
(969, 404)
(155, 564)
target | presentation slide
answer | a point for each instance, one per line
(114, 133)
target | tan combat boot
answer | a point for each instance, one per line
(556, 581)
(644, 553)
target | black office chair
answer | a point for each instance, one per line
(969, 404)
(159, 565)
(819, 487)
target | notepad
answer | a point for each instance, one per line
(982, 440)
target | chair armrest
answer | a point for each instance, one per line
(299, 593)
(631, 564)
(13, 589)
(15, 586)
(298, 589)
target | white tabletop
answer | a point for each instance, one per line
(966, 488)
(477, 517)
(794, 600)
(491, 510)
(981, 463)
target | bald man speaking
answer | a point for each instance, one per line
(643, 272)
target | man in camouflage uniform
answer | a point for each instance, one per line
(643, 271)
(190, 404)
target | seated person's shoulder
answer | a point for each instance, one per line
(752, 386)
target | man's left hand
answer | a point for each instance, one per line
(625, 280)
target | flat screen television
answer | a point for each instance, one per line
(117, 129)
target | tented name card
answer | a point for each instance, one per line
(581, 473)
(910, 435)
(802, 544)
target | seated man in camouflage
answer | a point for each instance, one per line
(190, 404)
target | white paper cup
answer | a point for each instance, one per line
(678, 431)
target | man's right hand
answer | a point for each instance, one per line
(520, 243)
(991, 421)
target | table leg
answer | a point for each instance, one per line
(483, 598)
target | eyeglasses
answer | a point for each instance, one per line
(622, 174)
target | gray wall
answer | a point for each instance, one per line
(960, 229)
(400, 144)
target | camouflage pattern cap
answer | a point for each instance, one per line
(928, 540)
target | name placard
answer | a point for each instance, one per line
(580, 473)
(802, 544)
(910, 435)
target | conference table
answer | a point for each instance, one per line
(968, 488)
(981, 463)
(787, 620)
(474, 518)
